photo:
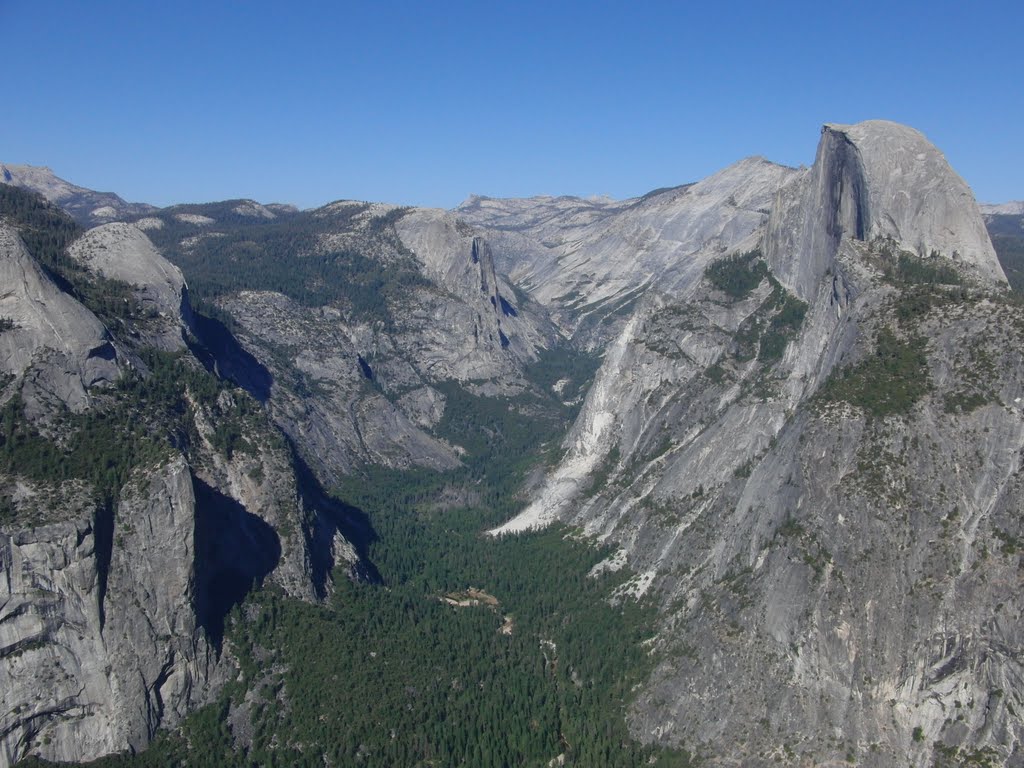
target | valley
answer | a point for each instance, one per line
(726, 474)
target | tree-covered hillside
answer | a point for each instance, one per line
(465, 651)
(1007, 233)
(298, 254)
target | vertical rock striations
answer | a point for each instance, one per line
(98, 633)
(875, 181)
(113, 600)
(811, 463)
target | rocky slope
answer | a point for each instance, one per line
(122, 252)
(811, 460)
(380, 308)
(88, 207)
(55, 346)
(805, 439)
(589, 261)
(140, 499)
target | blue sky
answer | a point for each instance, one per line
(425, 103)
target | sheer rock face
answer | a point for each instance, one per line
(871, 181)
(123, 252)
(99, 638)
(589, 261)
(832, 579)
(494, 337)
(351, 390)
(109, 621)
(160, 659)
(54, 343)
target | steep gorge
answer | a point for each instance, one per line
(802, 448)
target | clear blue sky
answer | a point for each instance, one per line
(423, 103)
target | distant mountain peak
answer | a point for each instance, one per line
(86, 206)
(1010, 208)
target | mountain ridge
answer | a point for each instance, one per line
(802, 444)
(746, 434)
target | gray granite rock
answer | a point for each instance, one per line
(834, 585)
(874, 181)
(99, 638)
(87, 206)
(54, 344)
(123, 252)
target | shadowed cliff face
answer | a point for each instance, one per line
(118, 563)
(805, 439)
(811, 474)
(872, 181)
(237, 551)
(812, 216)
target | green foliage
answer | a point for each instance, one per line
(429, 683)
(715, 373)
(738, 275)
(47, 232)
(767, 332)
(960, 401)
(45, 229)
(888, 382)
(784, 325)
(564, 363)
(7, 324)
(917, 271)
(291, 254)
(905, 268)
(135, 423)
(1007, 233)
(915, 303)
(600, 476)
(503, 438)
(790, 528)
(964, 757)
(1011, 544)
(99, 447)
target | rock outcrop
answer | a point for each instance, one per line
(590, 261)
(485, 336)
(122, 252)
(100, 642)
(87, 206)
(876, 181)
(812, 474)
(50, 341)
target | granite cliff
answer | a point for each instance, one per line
(810, 455)
(380, 309)
(140, 499)
(804, 443)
